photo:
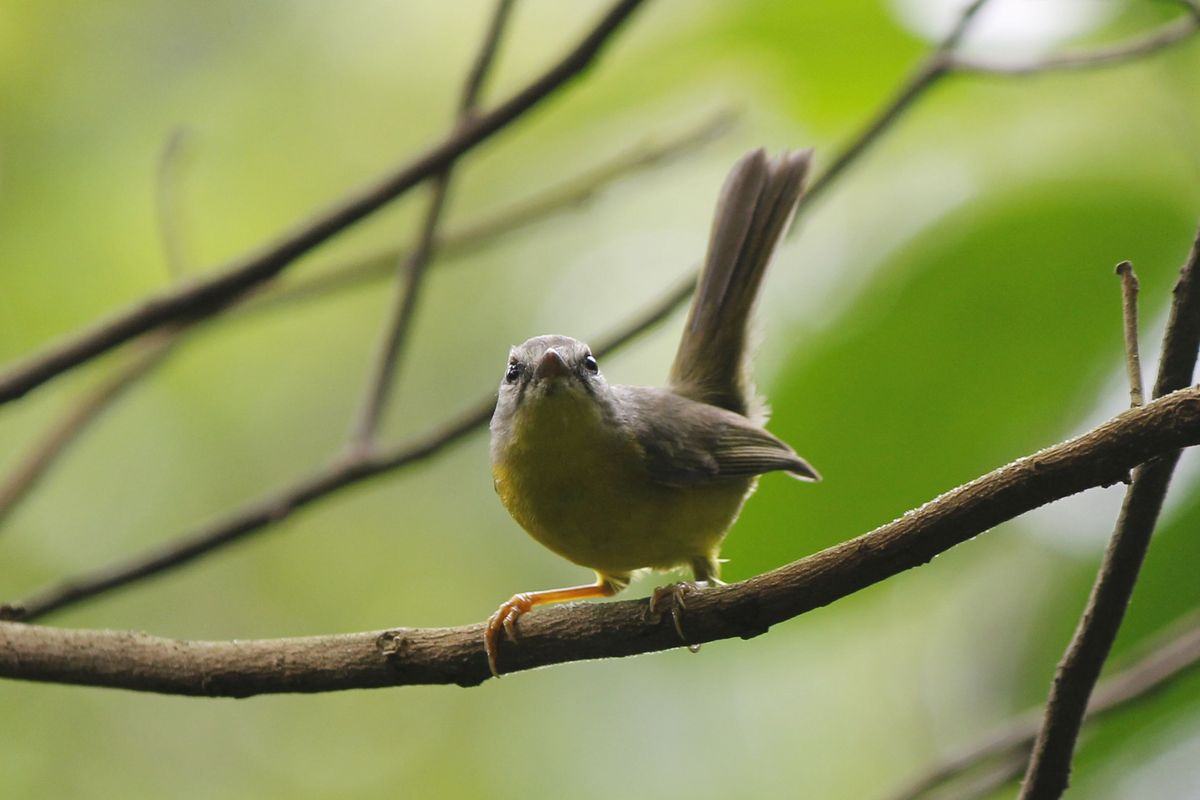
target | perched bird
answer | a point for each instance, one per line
(623, 478)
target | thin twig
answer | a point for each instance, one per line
(240, 523)
(211, 294)
(1171, 657)
(1050, 765)
(166, 200)
(1169, 35)
(943, 62)
(1129, 314)
(588, 631)
(33, 465)
(935, 67)
(279, 505)
(412, 270)
(569, 194)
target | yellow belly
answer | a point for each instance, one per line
(578, 485)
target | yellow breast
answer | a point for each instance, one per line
(576, 482)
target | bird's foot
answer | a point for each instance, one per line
(672, 597)
(505, 619)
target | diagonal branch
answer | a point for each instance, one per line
(943, 62)
(1050, 766)
(935, 67)
(412, 272)
(279, 505)
(210, 538)
(1167, 36)
(1177, 655)
(573, 633)
(211, 294)
(36, 462)
(573, 192)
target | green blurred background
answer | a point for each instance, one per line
(948, 306)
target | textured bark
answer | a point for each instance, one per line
(402, 656)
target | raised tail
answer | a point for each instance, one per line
(756, 203)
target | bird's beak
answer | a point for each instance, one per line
(551, 366)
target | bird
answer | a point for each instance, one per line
(621, 479)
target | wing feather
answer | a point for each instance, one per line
(686, 443)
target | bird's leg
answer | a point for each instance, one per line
(704, 571)
(507, 614)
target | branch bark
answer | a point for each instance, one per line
(263, 513)
(1129, 316)
(154, 348)
(211, 294)
(281, 504)
(1177, 655)
(403, 656)
(1050, 765)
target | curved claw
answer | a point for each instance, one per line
(504, 619)
(673, 595)
(506, 615)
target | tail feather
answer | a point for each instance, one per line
(754, 208)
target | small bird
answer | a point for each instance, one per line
(624, 478)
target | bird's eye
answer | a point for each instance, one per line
(512, 373)
(589, 363)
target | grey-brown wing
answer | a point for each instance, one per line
(686, 443)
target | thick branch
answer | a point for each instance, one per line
(1050, 765)
(211, 294)
(574, 633)
(215, 536)
(279, 505)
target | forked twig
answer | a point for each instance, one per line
(211, 294)
(1050, 764)
(412, 269)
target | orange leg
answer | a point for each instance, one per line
(507, 614)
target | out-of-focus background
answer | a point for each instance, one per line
(947, 306)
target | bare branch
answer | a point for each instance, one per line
(166, 199)
(1169, 35)
(943, 62)
(54, 441)
(219, 534)
(412, 270)
(587, 631)
(575, 191)
(929, 72)
(1171, 658)
(276, 507)
(1129, 314)
(211, 294)
(568, 195)
(1050, 765)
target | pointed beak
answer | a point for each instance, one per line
(551, 366)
